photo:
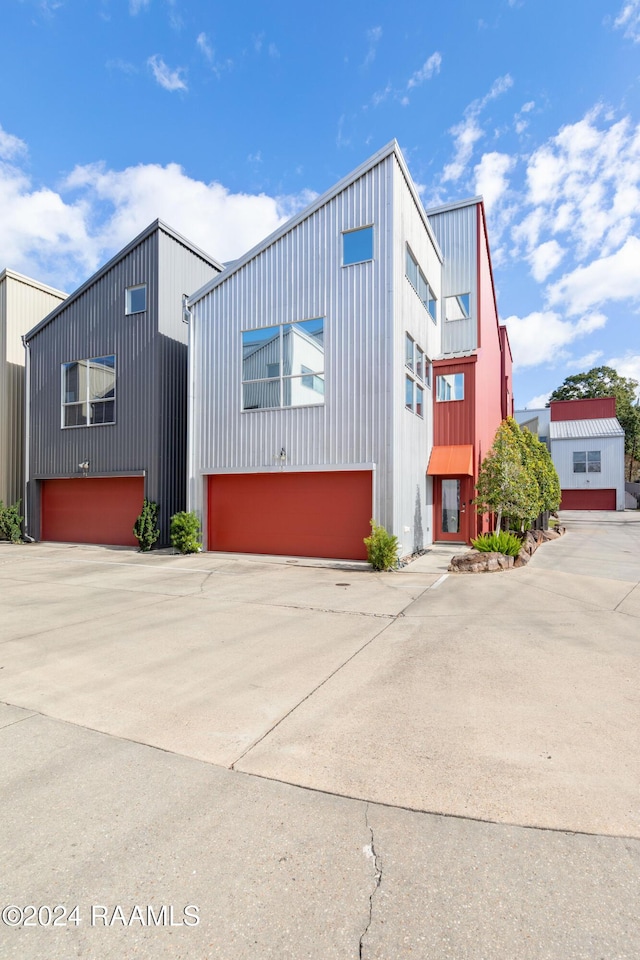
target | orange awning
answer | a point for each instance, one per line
(451, 461)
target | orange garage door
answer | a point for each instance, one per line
(92, 509)
(588, 500)
(320, 514)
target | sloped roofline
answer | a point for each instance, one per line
(9, 274)
(146, 233)
(391, 148)
(456, 205)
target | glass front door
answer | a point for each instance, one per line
(450, 518)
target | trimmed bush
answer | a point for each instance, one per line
(185, 532)
(502, 542)
(382, 548)
(145, 529)
(11, 522)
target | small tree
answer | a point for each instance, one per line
(185, 532)
(544, 473)
(10, 522)
(505, 485)
(382, 548)
(145, 529)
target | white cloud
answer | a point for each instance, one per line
(274, 53)
(169, 79)
(541, 337)
(204, 46)
(467, 133)
(11, 147)
(586, 362)
(491, 177)
(627, 366)
(135, 6)
(616, 277)
(537, 403)
(544, 259)
(426, 71)
(373, 37)
(629, 19)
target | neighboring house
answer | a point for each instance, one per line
(587, 448)
(311, 379)
(536, 420)
(106, 396)
(473, 377)
(23, 302)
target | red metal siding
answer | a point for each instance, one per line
(588, 500)
(92, 510)
(318, 514)
(603, 408)
(454, 420)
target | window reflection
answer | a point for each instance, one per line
(457, 307)
(296, 349)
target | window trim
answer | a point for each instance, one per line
(86, 401)
(127, 299)
(442, 376)
(456, 296)
(586, 462)
(364, 226)
(308, 374)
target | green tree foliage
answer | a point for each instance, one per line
(185, 532)
(382, 548)
(502, 542)
(10, 522)
(540, 465)
(606, 382)
(505, 485)
(145, 529)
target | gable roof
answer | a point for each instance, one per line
(157, 225)
(391, 149)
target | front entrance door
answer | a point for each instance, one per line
(450, 510)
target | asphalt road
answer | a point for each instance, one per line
(319, 761)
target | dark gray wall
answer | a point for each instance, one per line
(150, 429)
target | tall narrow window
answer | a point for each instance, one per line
(408, 393)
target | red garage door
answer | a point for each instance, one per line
(92, 509)
(588, 500)
(321, 514)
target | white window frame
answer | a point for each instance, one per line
(420, 276)
(587, 462)
(86, 401)
(127, 299)
(444, 376)
(313, 377)
(365, 226)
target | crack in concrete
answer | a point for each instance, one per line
(371, 853)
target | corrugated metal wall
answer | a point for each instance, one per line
(612, 465)
(456, 232)
(23, 303)
(149, 432)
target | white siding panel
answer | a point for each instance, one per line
(300, 277)
(612, 464)
(457, 234)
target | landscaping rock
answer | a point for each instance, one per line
(476, 561)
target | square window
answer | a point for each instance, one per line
(450, 386)
(136, 299)
(283, 366)
(88, 392)
(457, 307)
(357, 246)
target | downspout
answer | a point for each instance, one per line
(187, 317)
(27, 435)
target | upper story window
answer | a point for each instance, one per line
(450, 386)
(357, 246)
(418, 281)
(283, 366)
(457, 307)
(136, 299)
(88, 392)
(587, 461)
(417, 362)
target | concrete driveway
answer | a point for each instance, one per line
(507, 698)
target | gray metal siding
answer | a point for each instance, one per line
(457, 234)
(612, 465)
(150, 426)
(300, 276)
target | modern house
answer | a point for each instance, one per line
(311, 381)
(472, 375)
(23, 302)
(536, 420)
(587, 448)
(106, 395)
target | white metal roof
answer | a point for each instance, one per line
(576, 429)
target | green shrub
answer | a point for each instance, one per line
(185, 532)
(382, 548)
(145, 529)
(11, 522)
(501, 542)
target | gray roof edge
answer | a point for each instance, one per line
(609, 427)
(390, 149)
(456, 205)
(156, 225)
(9, 274)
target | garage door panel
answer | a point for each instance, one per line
(315, 514)
(91, 509)
(588, 500)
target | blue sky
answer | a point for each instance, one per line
(226, 119)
